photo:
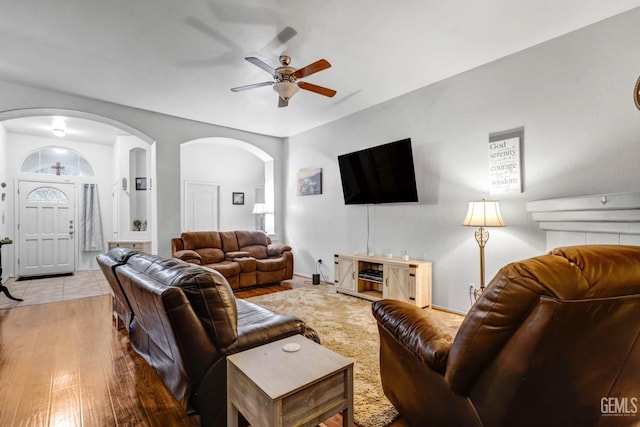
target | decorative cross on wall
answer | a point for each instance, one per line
(58, 167)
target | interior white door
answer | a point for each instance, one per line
(201, 209)
(46, 230)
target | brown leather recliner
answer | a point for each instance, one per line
(185, 320)
(553, 341)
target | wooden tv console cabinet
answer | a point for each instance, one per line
(376, 277)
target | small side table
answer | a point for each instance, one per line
(273, 388)
(3, 288)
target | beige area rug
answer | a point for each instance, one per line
(346, 325)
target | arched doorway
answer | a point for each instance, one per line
(99, 139)
(233, 177)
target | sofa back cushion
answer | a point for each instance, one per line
(229, 241)
(207, 291)
(572, 273)
(207, 244)
(254, 242)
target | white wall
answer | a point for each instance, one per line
(572, 95)
(234, 170)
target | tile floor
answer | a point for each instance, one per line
(41, 291)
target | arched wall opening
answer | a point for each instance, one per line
(104, 158)
(238, 175)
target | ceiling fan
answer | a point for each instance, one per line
(285, 78)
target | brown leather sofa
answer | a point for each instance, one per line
(245, 258)
(184, 320)
(553, 341)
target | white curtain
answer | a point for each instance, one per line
(91, 222)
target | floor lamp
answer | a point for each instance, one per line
(483, 213)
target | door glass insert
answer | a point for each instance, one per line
(47, 195)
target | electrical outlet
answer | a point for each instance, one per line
(473, 292)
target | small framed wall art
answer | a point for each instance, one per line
(237, 198)
(309, 182)
(141, 184)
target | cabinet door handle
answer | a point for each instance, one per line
(386, 282)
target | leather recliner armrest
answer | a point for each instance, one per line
(189, 256)
(232, 256)
(415, 331)
(276, 249)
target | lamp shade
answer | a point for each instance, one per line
(259, 208)
(484, 213)
(286, 89)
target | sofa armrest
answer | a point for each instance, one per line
(232, 256)
(189, 256)
(415, 331)
(258, 325)
(276, 249)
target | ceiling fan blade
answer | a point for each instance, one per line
(282, 38)
(317, 89)
(319, 65)
(282, 102)
(251, 86)
(212, 32)
(259, 63)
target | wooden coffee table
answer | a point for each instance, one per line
(272, 387)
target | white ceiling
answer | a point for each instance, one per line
(182, 57)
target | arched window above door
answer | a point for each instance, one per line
(57, 161)
(47, 195)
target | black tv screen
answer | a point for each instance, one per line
(382, 174)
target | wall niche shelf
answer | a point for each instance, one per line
(374, 278)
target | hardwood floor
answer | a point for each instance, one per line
(64, 363)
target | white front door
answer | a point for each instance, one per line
(201, 206)
(46, 237)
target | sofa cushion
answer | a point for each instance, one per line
(229, 241)
(254, 242)
(207, 290)
(271, 264)
(247, 264)
(206, 243)
(227, 268)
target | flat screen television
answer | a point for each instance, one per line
(381, 174)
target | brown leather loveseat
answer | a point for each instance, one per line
(184, 320)
(245, 258)
(553, 341)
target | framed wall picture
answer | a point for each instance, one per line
(141, 184)
(505, 171)
(238, 198)
(309, 182)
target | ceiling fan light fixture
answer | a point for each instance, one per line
(286, 89)
(59, 132)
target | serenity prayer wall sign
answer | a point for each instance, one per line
(505, 173)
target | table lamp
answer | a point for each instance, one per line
(483, 213)
(260, 209)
